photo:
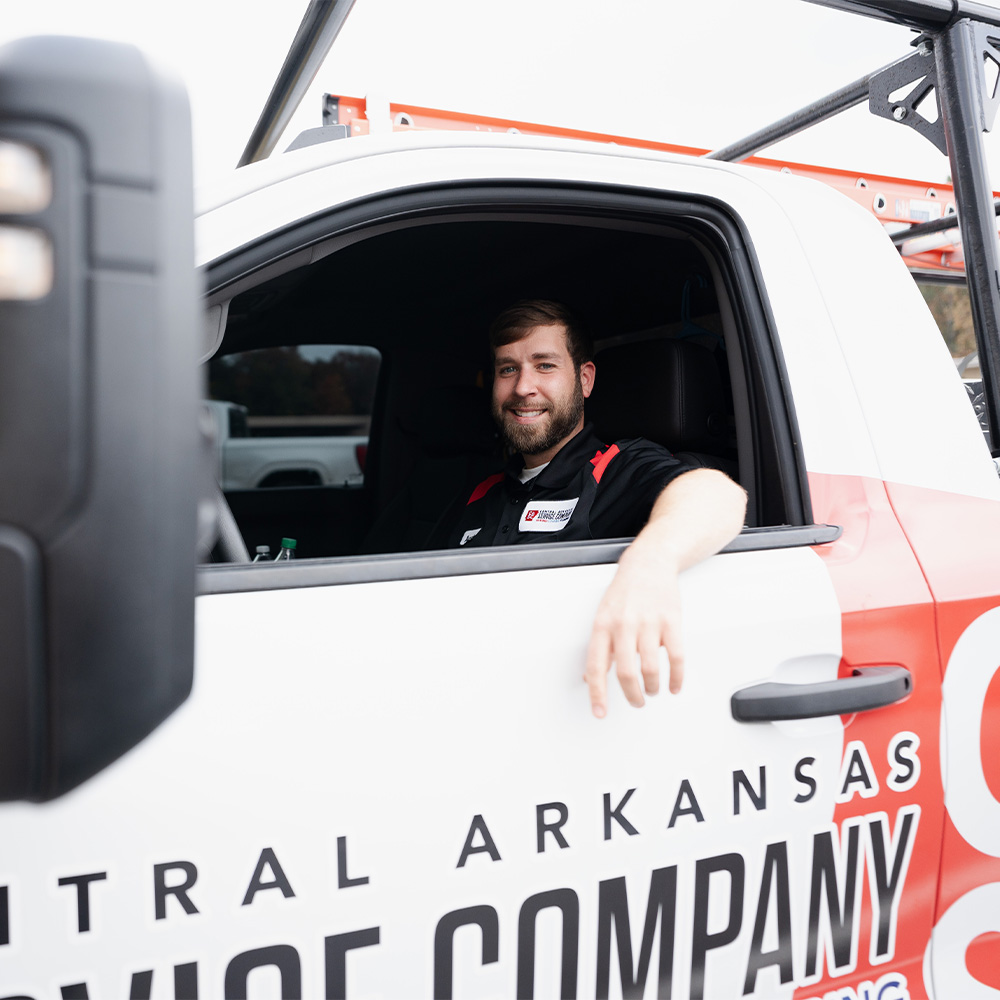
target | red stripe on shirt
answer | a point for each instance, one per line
(601, 461)
(484, 487)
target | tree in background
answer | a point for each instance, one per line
(950, 306)
(280, 381)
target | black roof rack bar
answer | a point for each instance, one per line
(960, 85)
(826, 107)
(958, 32)
(921, 15)
(320, 25)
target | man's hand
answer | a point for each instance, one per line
(694, 517)
(639, 613)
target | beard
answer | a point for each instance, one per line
(564, 416)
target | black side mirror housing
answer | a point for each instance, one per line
(99, 394)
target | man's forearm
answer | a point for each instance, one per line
(696, 515)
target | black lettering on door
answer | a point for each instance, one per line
(702, 942)
(343, 881)
(840, 902)
(82, 883)
(612, 909)
(282, 956)
(691, 809)
(740, 780)
(567, 902)
(141, 987)
(805, 779)
(485, 917)
(267, 859)
(888, 887)
(161, 890)
(616, 815)
(336, 948)
(186, 981)
(857, 773)
(555, 827)
(773, 880)
(479, 826)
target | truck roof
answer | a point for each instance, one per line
(377, 126)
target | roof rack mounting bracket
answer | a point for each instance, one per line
(919, 73)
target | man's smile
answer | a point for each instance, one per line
(526, 414)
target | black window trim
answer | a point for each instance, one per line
(710, 220)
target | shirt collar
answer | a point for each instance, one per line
(566, 463)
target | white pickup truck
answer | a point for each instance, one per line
(378, 775)
(248, 462)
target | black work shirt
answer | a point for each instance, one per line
(589, 490)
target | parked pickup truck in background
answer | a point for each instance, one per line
(250, 458)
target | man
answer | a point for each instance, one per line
(563, 483)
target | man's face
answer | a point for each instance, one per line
(538, 394)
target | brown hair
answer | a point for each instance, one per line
(514, 323)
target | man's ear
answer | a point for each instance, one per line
(588, 373)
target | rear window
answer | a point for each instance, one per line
(308, 407)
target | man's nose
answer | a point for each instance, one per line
(525, 384)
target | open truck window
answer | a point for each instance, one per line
(421, 295)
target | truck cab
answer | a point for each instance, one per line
(386, 780)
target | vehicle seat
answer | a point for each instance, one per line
(669, 391)
(456, 441)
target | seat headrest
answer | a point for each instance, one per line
(667, 390)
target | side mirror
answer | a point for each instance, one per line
(99, 390)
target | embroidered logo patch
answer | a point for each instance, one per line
(547, 515)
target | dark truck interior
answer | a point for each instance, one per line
(670, 351)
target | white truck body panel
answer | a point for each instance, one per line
(310, 721)
(435, 728)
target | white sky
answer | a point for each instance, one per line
(697, 73)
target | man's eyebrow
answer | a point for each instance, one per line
(537, 356)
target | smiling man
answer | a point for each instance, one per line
(563, 483)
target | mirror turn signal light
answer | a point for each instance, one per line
(26, 259)
(26, 265)
(25, 179)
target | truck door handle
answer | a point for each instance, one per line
(865, 689)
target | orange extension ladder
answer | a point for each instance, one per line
(897, 202)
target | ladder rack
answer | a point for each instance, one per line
(898, 203)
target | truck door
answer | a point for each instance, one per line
(395, 787)
(387, 780)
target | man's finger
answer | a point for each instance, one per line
(596, 675)
(624, 652)
(671, 639)
(649, 657)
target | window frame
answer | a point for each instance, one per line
(717, 230)
(232, 578)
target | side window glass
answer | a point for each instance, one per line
(950, 306)
(293, 416)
